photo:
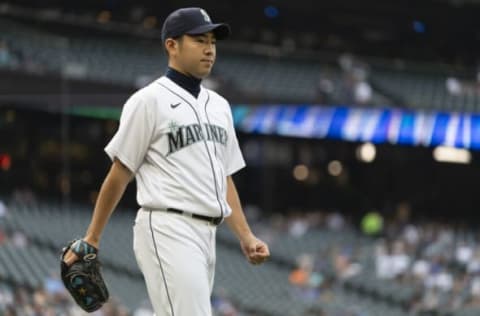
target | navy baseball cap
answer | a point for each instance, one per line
(192, 21)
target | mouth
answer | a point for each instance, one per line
(208, 61)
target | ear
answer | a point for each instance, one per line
(171, 46)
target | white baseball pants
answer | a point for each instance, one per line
(176, 255)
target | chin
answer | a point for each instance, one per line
(203, 74)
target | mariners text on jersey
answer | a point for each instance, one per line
(183, 136)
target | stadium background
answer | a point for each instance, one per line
(342, 109)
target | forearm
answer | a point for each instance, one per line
(110, 194)
(236, 221)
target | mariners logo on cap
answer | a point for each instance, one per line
(205, 16)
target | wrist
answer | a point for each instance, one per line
(245, 236)
(92, 240)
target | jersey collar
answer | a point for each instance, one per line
(182, 93)
(188, 83)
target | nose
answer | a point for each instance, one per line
(209, 48)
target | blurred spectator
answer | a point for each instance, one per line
(475, 288)
(473, 265)
(346, 62)
(303, 279)
(19, 239)
(3, 210)
(325, 90)
(411, 235)
(453, 85)
(463, 254)
(3, 215)
(300, 276)
(6, 298)
(362, 93)
(345, 268)
(400, 260)
(384, 267)
(355, 88)
(444, 280)
(53, 285)
(298, 226)
(335, 221)
(223, 306)
(5, 56)
(420, 270)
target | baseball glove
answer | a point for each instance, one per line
(83, 278)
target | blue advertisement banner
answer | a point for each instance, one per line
(388, 125)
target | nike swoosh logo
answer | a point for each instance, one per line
(175, 105)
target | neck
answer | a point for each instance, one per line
(187, 82)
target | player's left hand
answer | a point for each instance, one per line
(255, 250)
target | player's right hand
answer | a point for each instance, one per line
(70, 257)
(255, 250)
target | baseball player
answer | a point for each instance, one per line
(177, 139)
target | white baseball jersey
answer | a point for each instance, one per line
(181, 149)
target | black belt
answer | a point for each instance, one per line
(211, 220)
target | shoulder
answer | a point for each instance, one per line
(147, 94)
(145, 98)
(140, 103)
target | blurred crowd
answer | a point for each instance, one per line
(6, 55)
(15, 237)
(350, 85)
(439, 261)
(53, 300)
(49, 300)
(462, 86)
(14, 58)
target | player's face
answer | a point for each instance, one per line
(195, 54)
